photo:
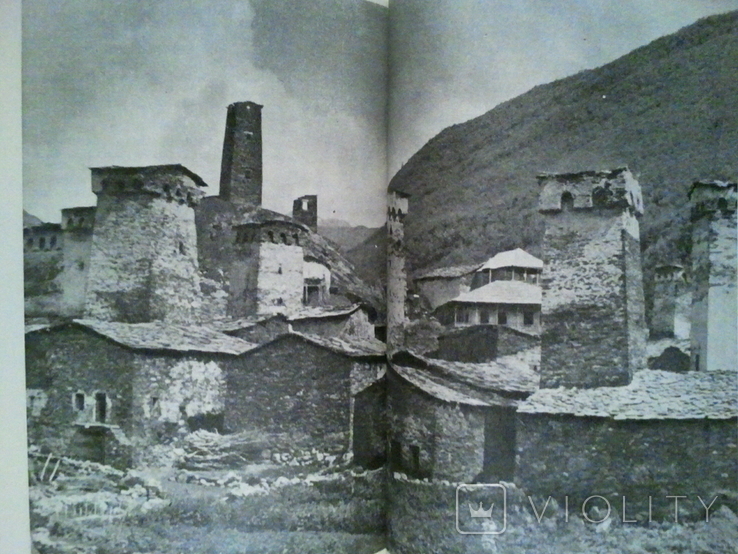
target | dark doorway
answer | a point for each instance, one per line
(499, 444)
(369, 441)
(395, 455)
(88, 444)
(567, 201)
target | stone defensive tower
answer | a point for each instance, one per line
(714, 337)
(143, 260)
(669, 318)
(77, 226)
(593, 307)
(305, 211)
(397, 209)
(266, 273)
(241, 165)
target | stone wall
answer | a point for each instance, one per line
(355, 324)
(293, 388)
(305, 211)
(280, 279)
(588, 338)
(714, 338)
(143, 261)
(431, 438)
(580, 457)
(397, 208)
(77, 225)
(476, 344)
(241, 165)
(66, 362)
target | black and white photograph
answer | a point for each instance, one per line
(380, 277)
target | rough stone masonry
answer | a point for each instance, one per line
(592, 282)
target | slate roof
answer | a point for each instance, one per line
(436, 388)
(152, 170)
(502, 292)
(227, 325)
(347, 345)
(165, 336)
(653, 394)
(320, 312)
(447, 272)
(513, 258)
(514, 376)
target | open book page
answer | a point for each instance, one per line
(562, 277)
(202, 364)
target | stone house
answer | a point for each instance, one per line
(453, 420)
(105, 390)
(511, 265)
(316, 392)
(513, 303)
(662, 434)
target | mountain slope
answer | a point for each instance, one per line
(668, 110)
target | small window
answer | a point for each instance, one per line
(101, 407)
(502, 317)
(81, 265)
(42, 242)
(52, 242)
(567, 201)
(270, 234)
(182, 249)
(248, 173)
(279, 270)
(79, 402)
(528, 317)
(297, 239)
(415, 459)
(722, 204)
(29, 243)
(279, 302)
(154, 406)
(284, 238)
(462, 315)
(305, 205)
(484, 316)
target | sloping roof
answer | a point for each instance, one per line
(502, 292)
(437, 389)
(447, 272)
(515, 376)
(165, 336)
(712, 184)
(227, 325)
(347, 345)
(513, 258)
(152, 170)
(320, 312)
(652, 394)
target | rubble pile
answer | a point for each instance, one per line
(207, 450)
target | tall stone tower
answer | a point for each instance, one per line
(397, 207)
(266, 271)
(305, 210)
(77, 225)
(143, 259)
(593, 307)
(714, 337)
(241, 166)
(670, 288)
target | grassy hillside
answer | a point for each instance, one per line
(668, 110)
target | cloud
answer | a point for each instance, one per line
(122, 83)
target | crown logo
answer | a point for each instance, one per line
(480, 511)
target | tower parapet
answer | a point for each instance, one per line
(714, 333)
(143, 259)
(593, 306)
(77, 227)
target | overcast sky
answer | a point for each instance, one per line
(135, 83)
